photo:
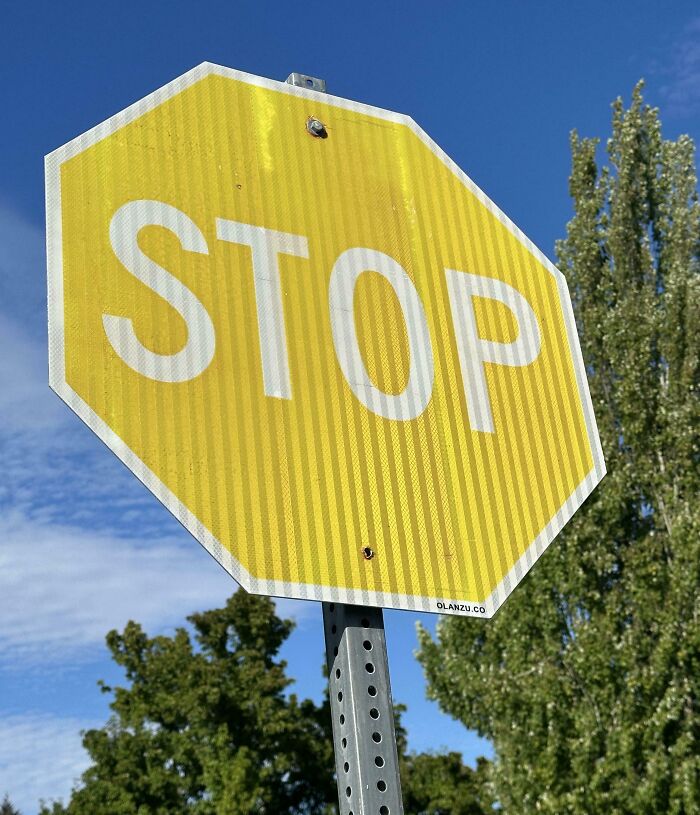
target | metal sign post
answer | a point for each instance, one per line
(364, 736)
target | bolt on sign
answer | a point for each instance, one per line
(318, 343)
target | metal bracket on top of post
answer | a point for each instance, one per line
(364, 735)
(313, 83)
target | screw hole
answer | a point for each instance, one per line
(342, 719)
(376, 737)
(383, 810)
(372, 690)
(346, 766)
(367, 645)
(379, 761)
(381, 785)
(374, 713)
(344, 742)
(337, 673)
(340, 696)
(369, 668)
(348, 791)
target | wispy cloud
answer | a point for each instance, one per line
(41, 756)
(25, 402)
(53, 469)
(22, 270)
(63, 588)
(681, 73)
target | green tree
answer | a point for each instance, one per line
(587, 680)
(440, 784)
(6, 807)
(205, 728)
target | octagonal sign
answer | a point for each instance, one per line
(321, 346)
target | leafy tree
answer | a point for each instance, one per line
(442, 785)
(587, 680)
(6, 807)
(205, 728)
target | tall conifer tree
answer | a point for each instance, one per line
(587, 681)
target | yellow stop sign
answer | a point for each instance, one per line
(318, 343)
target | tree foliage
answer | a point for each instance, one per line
(6, 807)
(205, 728)
(587, 680)
(442, 785)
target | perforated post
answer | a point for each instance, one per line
(364, 736)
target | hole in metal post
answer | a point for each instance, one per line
(376, 737)
(383, 810)
(342, 719)
(340, 696)
(346, 766)
(367, 645)
(379, 761)
(344, 742)
(372, 690)
(381, 785)
(348, 791)
(374, 713)
(369, 668)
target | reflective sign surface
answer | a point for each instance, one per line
(331, 356)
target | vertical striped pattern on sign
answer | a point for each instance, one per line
(307, 347)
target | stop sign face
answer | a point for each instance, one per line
(318, 343)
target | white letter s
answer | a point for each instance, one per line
(198, 351)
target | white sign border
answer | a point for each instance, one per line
(303, 591)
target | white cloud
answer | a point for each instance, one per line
(63, 588)
(22, 269)
(41, 756)
(681, 73)
(26, 403)
(25, 400)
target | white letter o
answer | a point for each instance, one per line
(413, 400)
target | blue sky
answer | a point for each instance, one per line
(83, 546)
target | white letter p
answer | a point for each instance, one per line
(474, 351)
